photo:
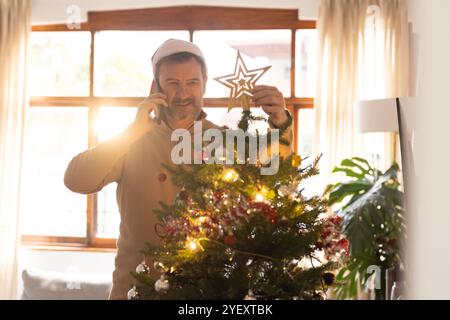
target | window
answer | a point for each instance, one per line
(124, 70)
(259, 48)
(60, 63)
(85, 86)
(222, 117)
(306, 62)
(54, 136)
(110, 122)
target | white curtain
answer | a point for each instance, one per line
(363, 55)
(14, 34)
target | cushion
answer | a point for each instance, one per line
(50, 285)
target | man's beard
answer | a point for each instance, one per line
(184, 109)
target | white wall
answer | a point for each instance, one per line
(55, 11)
(66, 261)
(429, 216)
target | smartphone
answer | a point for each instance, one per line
(154, 89)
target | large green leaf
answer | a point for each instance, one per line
(342, 190)
(353, 275)
(363, 162)
(348, 172)
(373, 207)
(374, 194)
(352, 163)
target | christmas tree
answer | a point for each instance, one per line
(233, 233)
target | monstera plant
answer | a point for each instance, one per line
(371, 205)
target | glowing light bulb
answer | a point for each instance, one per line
(193, 245)
(259, 197)
(230, 175)
(200, 220)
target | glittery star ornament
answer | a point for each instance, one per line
(241, 83)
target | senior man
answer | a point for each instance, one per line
(133, 158)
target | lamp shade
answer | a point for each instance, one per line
(376, 115)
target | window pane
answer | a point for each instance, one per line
(111, 121)
(305, 62)
(108, 216)
(123, 61)
(221, 117)
(259, 48)
(373, 148)
(53, 137)
(305, 126)
(60, 63)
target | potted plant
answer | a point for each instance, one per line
(371, 205)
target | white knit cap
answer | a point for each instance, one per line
(173, 46)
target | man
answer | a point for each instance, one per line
(133, 158)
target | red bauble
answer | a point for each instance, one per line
(184, 195)
(266, 209)
(336, 220)
(344, 244)
(325, 234)
(229, 240)
(218, 195)
(392, 242)
(162, 177)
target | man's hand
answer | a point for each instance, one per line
(272, 102)
(143, 123)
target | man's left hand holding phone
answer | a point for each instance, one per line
(153, 103)
(145, 120)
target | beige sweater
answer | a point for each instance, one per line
(136, 169)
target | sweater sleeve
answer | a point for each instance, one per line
(285, 150)
(91, 170)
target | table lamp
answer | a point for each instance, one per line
(377, 116)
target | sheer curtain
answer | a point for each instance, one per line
(14, 34)
(363, 54)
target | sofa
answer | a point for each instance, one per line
(51, 285)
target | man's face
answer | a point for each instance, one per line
(184, 85)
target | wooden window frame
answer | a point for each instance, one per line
(187, 18)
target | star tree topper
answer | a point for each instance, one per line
(241, 82)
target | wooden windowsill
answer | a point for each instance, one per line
(37, 247)
(54, 243)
